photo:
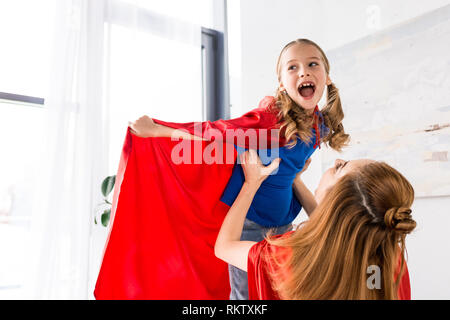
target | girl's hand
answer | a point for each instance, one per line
(255, 172)
(144, 127)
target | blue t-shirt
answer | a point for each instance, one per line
(274, 203)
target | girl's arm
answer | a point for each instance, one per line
(228, 245)
(261, 118)
(303, 194)
(145, 127)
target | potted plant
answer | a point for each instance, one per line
(104, 208)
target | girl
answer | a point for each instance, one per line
(363, 216)
(303, 73)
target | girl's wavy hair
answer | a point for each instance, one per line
(362, 221)
(294, 119)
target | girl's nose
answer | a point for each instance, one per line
(303, 72)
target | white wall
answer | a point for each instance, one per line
(258, 30)
(429, 249)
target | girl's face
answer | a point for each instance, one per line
(333, 174)
(302, 64)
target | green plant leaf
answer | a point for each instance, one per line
(108, 185)
(105, 217)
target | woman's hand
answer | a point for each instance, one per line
(255, 172)
(305, 167)
(144, 127)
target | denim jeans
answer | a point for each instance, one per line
(238, 278)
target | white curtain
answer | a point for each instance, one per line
(74, 156)
(113, 61)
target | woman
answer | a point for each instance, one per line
(360, 224)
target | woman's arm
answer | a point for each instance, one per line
(145, 127)
(228, 245)
(303, 194)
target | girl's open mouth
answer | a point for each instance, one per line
(307, 90)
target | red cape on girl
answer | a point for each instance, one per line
(165, 216)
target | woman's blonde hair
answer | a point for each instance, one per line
(362, 221)
(294, 119)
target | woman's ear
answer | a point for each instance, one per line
(281, 87)
(328, 80)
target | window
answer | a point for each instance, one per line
(25, 30)
(215, 93)
(163, 38)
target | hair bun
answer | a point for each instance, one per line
(399, 219)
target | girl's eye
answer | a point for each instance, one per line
(291, 67)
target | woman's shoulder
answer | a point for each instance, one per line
(267, 247)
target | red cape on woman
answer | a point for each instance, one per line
(165, 216)
(260, 266)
